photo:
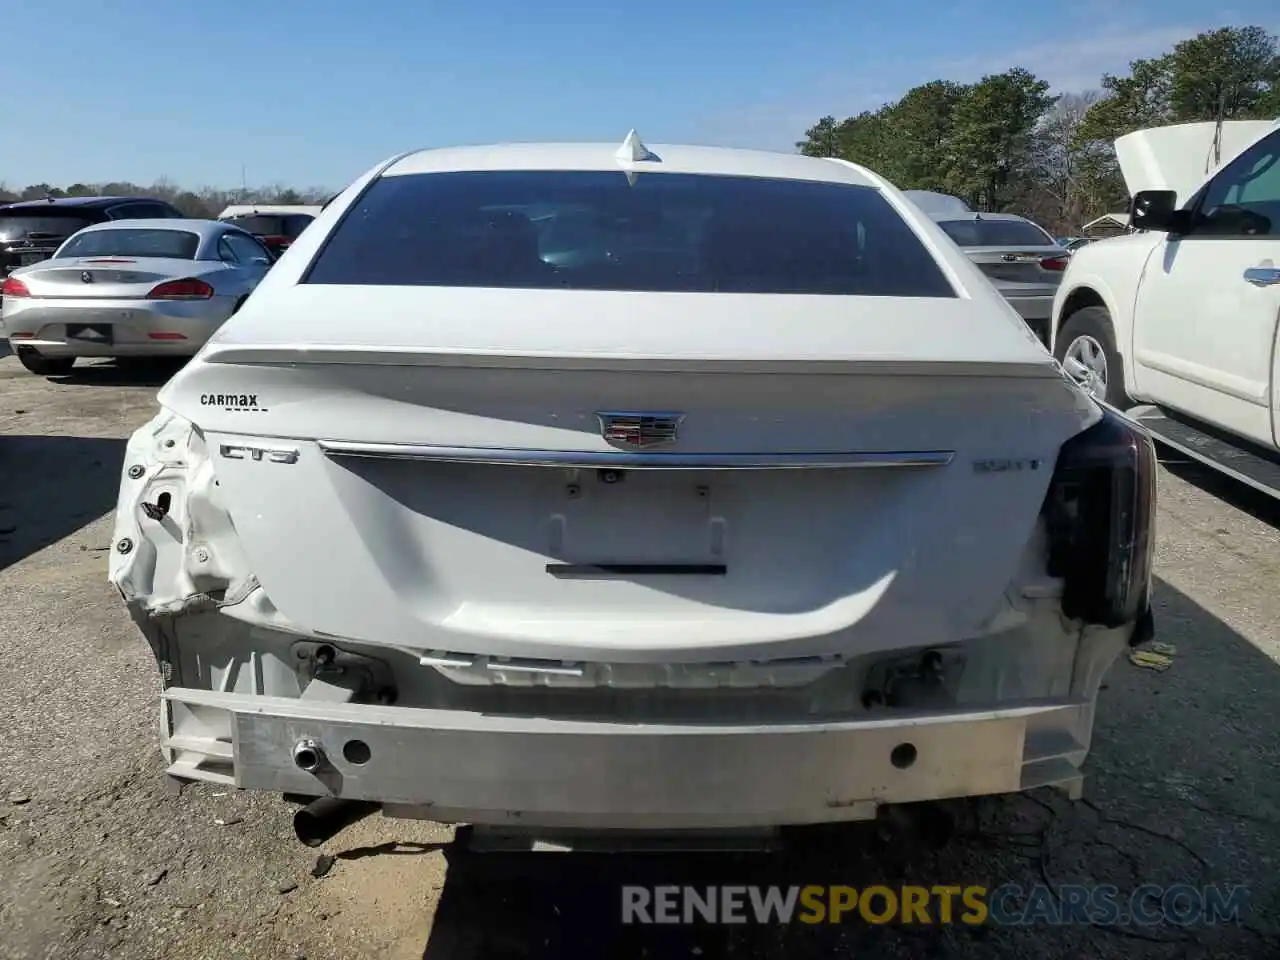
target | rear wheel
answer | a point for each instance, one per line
(43, 366)
(1086, 348)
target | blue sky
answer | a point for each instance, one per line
(315, 93)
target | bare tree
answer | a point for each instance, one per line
(1062, 194)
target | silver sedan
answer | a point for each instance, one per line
(1023, 261)
(130, 288)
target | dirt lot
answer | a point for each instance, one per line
(100, 861)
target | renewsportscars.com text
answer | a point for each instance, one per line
(1006, 905)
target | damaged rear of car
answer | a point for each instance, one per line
(569, 487)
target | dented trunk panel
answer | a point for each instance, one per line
(400, 546)
(423, 477)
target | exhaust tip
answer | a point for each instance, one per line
(308, 755)
(325, 818)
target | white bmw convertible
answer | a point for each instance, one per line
(597, 486)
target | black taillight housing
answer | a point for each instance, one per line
(1100, 514)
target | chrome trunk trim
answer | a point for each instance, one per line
(620, 459)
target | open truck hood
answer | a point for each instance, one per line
(1182, 156)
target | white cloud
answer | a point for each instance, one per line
(1077, 59)
(1076, 63)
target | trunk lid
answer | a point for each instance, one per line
(127, 278)
(436, 473)
(1019, 271)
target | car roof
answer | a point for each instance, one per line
(662, 157)
(75, 202)
(269, 210)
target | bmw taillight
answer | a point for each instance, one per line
(13, 287)
(1100, 512)
(1055, 263)
(186, 289)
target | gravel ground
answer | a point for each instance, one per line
(100, 861)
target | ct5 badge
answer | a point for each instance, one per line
(267, 454)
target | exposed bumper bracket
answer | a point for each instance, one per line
(455, 766)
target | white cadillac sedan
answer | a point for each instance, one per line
(597, 486)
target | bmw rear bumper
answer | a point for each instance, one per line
(84, 328)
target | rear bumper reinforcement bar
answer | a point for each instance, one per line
(458, 766)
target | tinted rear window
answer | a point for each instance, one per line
(25, 226)
(295, 223)
(587, 230)
(175, 244)
(260, 226)
(268, 225)
(996, 233)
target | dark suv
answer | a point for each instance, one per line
(276, 230)
(31, 230)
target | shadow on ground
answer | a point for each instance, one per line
(51, 486)
(1217, 484)
(146, 372)
(1181, 790)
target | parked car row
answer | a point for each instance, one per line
(31, 230)
(1021, 259)
(129, 288)
(128, 277)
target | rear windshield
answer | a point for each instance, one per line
(588, 230)
(264, 225)
(174, 244)
(996, 233)
(25, 226)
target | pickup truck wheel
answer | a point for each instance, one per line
(43, 366)
(1086, 348)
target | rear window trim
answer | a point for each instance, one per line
(946, 275)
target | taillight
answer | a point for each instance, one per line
(1100, 512)
(281, 242)
(13, 287)
(1054, 263)
(186, 289)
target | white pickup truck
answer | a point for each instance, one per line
(1176, 322)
